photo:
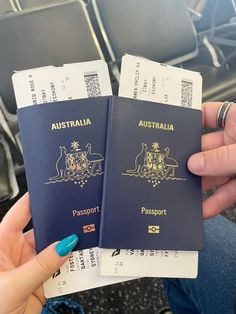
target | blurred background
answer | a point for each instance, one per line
(199, 35)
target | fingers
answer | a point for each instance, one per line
(209, 119)
(219, 138)
(216, 162)
(210, 182)
(209, 114)
(32, 274)
(222, 199)
(18, 216)
(29, 237)
(212, 140)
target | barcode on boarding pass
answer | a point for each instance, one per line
(92, 84)
(186, 93)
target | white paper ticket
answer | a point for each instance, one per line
(152, 81)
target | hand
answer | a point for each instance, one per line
(217, 161)
(22, 272)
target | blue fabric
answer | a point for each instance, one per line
(214, 290)
(52, 306)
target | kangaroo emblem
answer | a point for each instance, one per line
(139, 160)
(60, 164)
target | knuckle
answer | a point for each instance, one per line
(43, 265)
(223, 155)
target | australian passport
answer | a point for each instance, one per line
(63, 147)
(150, 199)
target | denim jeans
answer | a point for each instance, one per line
(214, 290)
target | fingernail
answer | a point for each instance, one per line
(67, 244)
(196, 163)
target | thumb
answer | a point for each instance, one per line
(32, 274)
(216, 162)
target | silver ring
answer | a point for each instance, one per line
(222, 114)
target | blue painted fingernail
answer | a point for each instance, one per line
(67, 244)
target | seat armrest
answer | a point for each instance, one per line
(195, 16)
(5, 186)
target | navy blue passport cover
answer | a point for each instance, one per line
(150, 199)
(63, 145)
